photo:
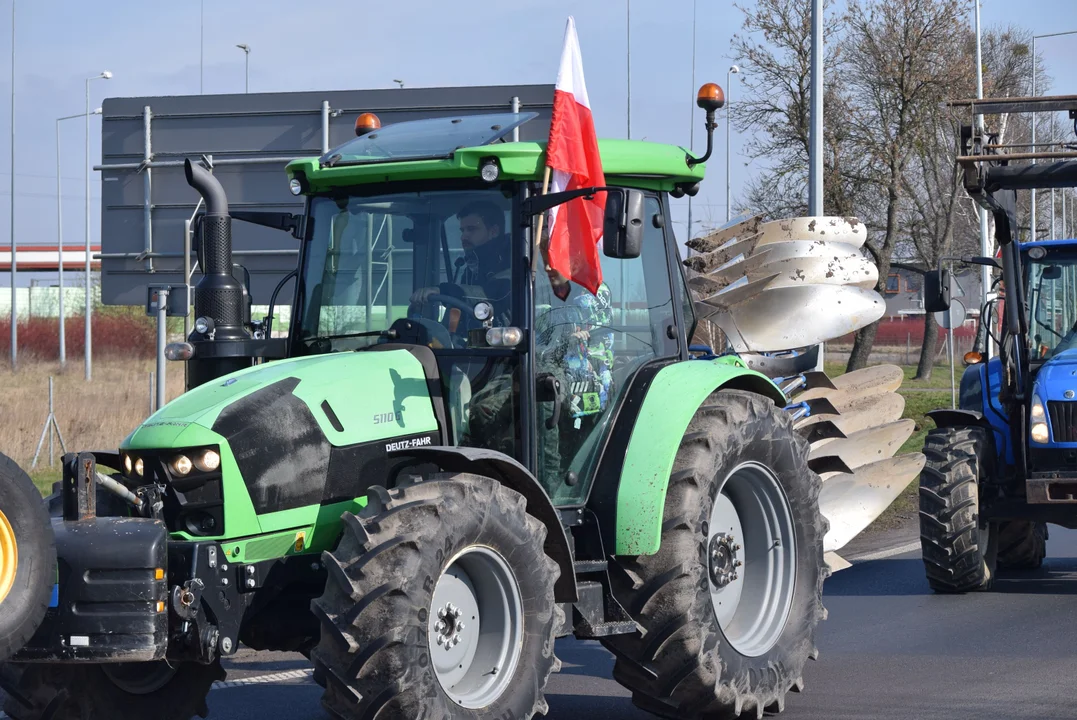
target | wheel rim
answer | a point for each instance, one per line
(140, 678)
(751, 559)
(9, 556)
(476, 627)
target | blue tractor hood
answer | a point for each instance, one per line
(1057, 376)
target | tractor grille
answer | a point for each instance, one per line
(1063, 420)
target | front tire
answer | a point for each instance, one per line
(27, 558)
(959, 551)
(1022, 545)
(416, 575)
(727, 629)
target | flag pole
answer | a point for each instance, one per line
(541, 219)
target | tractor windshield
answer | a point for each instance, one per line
(1052, 300)
(441, 258)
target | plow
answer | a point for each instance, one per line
(451, 460)
(778, 290)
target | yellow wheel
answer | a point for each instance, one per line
(25, 587)
(9, 556)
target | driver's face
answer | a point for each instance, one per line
(474, 233)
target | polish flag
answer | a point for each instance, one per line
(572, 156)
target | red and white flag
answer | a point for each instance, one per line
(573, 158)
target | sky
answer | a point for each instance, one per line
(154, 48)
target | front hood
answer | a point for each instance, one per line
(1058, 376)
(354, 396)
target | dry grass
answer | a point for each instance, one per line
(92, 415)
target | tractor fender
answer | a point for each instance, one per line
(639, 457)
(514, 476)
(947, 417)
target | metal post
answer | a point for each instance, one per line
(908, 348)
(153, 390)
(628, 63)
(728, 94)
(14, 253)
(1054, 235)
(60, 248)
(692, 115)
(51, 450)
(147, 186)
(516, 111)
(162, 322)
(1032, 210)
(187, 272)
(953, 387)
(89, 309)
(369, 268)
(325, 127)
(815, 156)
(389, 270)
(985, 242)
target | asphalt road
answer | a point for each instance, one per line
(890, 649)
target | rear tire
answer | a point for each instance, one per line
(438, 560)
(75, 692)
(27, 558)
(1022, 545)
(698, 655)
(959, 552)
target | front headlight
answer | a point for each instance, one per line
(181, 465)
(207, 461)
(1038, 414)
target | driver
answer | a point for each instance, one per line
(484, 271)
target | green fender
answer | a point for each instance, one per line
(676, 392)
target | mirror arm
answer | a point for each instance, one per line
(711, 125)
(541, 203)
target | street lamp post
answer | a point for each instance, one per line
(60, 233)
(246, 66)
(400, 83)
(1032, 211)
(728, 114)
(89, 308)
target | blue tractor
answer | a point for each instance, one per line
(1003, 465)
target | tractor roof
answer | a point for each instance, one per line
(457, 147)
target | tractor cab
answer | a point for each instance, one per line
(425, 235)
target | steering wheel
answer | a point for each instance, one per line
(450, 301)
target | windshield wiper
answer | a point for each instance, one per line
(391, 334)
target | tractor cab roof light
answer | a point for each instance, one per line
(366, 122)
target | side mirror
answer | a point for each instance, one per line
(937, 290)
(622, 227)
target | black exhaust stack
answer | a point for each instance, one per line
(223, 347)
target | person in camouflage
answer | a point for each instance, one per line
(574, 343)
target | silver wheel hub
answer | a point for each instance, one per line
(723, 560)
(476, 627)
(449, 628)
(751, 558)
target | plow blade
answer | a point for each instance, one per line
(868, 445)
(878, 409)
(790, 317)
(830, 229)
(852, 501)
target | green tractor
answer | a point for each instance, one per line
(445, 465)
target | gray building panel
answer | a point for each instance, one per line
(245, 127)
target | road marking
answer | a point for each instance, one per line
(890, 552)
(256, 680)
(261, 679)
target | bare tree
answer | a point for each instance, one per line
(774, 48)
(900, 65)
